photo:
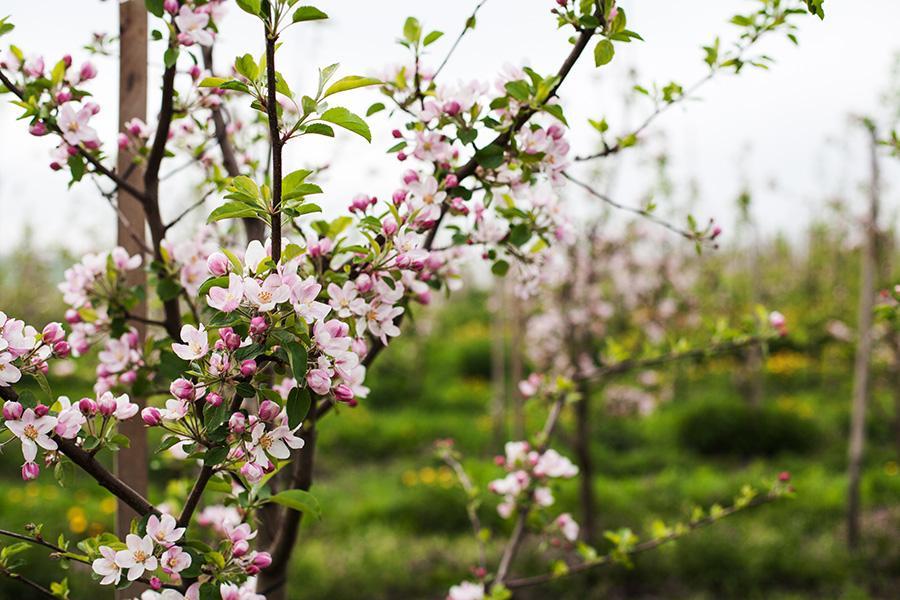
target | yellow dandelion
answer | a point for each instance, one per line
(108, 506)
(428, 475)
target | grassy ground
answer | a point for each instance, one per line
(394, 523)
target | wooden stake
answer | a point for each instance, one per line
(131, 463)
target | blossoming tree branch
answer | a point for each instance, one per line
(255, 340)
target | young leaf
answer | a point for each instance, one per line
(603, 52)
(350, 82)
(344, 118)
(308, 13)
(299, 500)
(433, 37)
(231, 210)
(298, 405)
(250, 6)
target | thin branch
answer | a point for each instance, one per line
(190, 209)
(32, 584)
(637, 211)
(645, 546)
(40, 541)
(470, 24)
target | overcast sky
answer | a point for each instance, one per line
(789, 125)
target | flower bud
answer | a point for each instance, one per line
(37, 129)
(240, 548)
(151, 416)
(232, 341)
(72, 316)
(409, 176)
(258, 325)
(262, 559)
(237, 423)
(268, 411)
(41, 410)
(248, 367)
(252, 472)
(30, 471)
(52, 333)
(63, 97)
(87, 407)
(784, 476)
(182, 389)
(67, 60)
(451, 181)
(214, 399)
(170, 6)
(196, 71)
(155, 583)
(343, 393)
(397, 133)
(452, 108)
(401, 156)
(12, 410)
(88, 71)
(128, 377)
(389, 227)
(399, 197)
(62, 349)
(107, 405)
(217, 263)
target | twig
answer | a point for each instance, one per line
(32, 584)
(462, 34)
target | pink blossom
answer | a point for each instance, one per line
(218, 264)
(318, 381)
(175, 560)
(227, 299)
(74, 126)
(33, 431)
(138, 557)
(164, 530)
(196, 344)
(268, 295)
(192, 27)
(30, 471)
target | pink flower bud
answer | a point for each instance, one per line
(237, 423)
(451, 181)
(399, 197)
(318, 381)
(784, 476)
(233, 341)
(132, 338)
(87, 407)
(248, 367)
(67, 60)
(151, 416)
(107, 405)
(556, 132)
(62, 349)
(182, 388)
(128, 377)
(268, 411)
(252, 472)
(63, 97)
(397, 133)
(41, 410)
(716, 232)
(262, 559)
(452, 108)
(359, 347)
(92, 107)
(196, 71)
(155, 583)
(258, 325)
(122, 141)
(217, 263)
(38, 129)
(185, 40)
(409, 176)
(240, 548)
(30, 471)
(401, 156)
(88, 71)
(214, 399)
(364, 283)
(12, 410)
(170, 6)
(389, 227)
(72, 316)
(52, 333)
(343, 393)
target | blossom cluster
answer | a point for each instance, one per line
(528, 473)
(42, 426)
(23, 349)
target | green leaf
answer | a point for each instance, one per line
(170, 57)
(215, 455)
(412, 30)
(299, 500)
(212, 82)
(432, 37)
(167, 289)
(246, 66)
(308, 13)
(377, 107)
(320, 129)
(211, 283)
(232, 210)
(298, 357)
(518, 90)
(350, 82)
(500, 268)
(557, 111)
(603, 52)
(344, 118)
(154, 7)
(490, 157)
(294, 179)
(298, 405)
(250, 6)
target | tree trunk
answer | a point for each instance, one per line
(863, 353)
(585, 463)
(498, 367)
(516, 369)
(131, 462)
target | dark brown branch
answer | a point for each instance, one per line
(32, 584)
(276, 142)
(469, 21)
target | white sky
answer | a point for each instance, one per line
(794, 119)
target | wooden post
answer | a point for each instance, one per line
(131, 463)
(863, 350)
